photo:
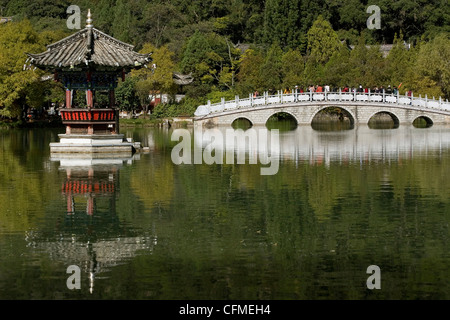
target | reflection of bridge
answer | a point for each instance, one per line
(358, 145)
(360, 107)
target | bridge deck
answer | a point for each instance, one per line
(280, 100)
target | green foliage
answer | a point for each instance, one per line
(122, 21)
(434, 62)
(271, 69)
(17, 87)
(216, 96)
(323, 41)
(126, 95)
(186, 107)
(293, 66)
(237, 47)
(249, 77)
(281, 21)
(398, 62)
(211, 60)
(151, 80)
(336, 69)
(365, 63)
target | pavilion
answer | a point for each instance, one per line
(90, 61)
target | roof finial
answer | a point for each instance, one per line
(89, 19)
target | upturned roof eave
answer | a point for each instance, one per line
(42, 59)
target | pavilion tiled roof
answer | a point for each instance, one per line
(182, 79)
(86, 48)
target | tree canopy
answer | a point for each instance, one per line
(239, 46)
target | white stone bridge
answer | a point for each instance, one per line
(303, 107)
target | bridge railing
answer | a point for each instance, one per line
(422, 103)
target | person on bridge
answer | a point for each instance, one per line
(389, 90)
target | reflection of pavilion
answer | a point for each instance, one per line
(91, 183)
(92, 237)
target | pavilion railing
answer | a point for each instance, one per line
(83, 115)
(266, 100)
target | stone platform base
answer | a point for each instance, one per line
(93, 144)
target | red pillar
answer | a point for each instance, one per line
(90, 98)
(112, 98)
(90, 206)
(90, 104)
(70, 204)
(68, 99)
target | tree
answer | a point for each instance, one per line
(323, 41)
(398, 62)
(336, 70)
(248, 77)
(126, 96)
(16, 84)
(211, 59)
(155, 79)
(293, 66)
(282, 23)
(271, 69)
(122, 21)
(366, 66)
(104, 15)
(159, 23)
(433, 65)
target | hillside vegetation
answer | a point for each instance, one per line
(236, 47)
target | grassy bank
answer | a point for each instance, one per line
(155, 122)
(47, 123)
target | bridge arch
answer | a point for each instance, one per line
(351, 115)
(273, 113)
(372, 121)
(235, 121)
(423, 122)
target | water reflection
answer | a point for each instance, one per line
(147, 228)
(91, 235)
(361, 144)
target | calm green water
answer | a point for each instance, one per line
(145, 228)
